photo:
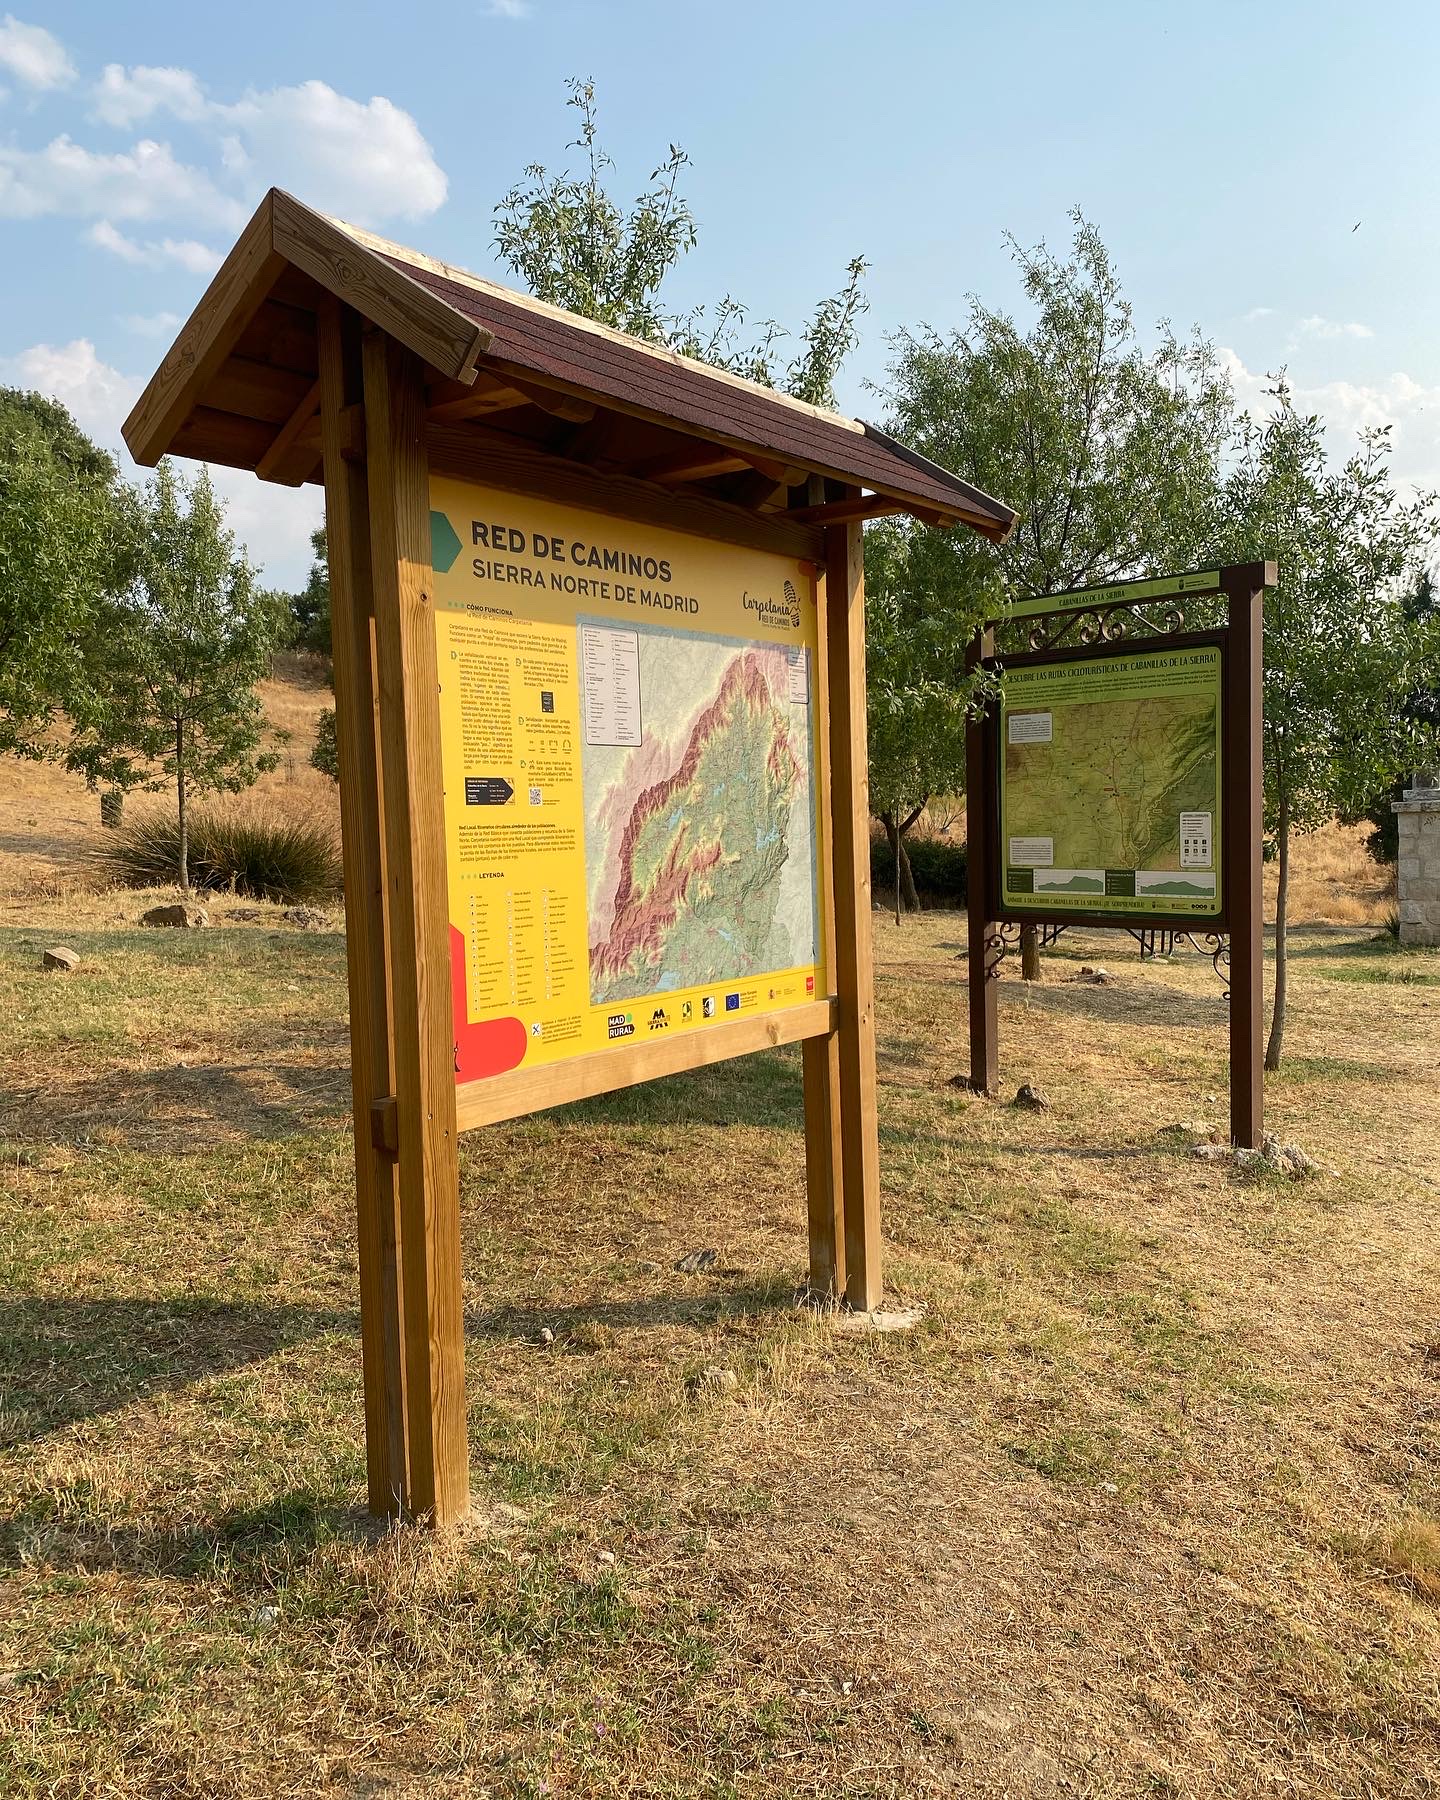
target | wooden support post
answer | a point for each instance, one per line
(859, 1147)
(979, 883)
(417, 917)
(824, 1190)
(1243, 826)
(347, 525)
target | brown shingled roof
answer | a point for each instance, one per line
(529, 337)
(239, 385)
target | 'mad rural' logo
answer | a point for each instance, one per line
(621, 1025)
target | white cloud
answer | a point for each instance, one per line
(1316, 327)
(273, 523)
(153, 253)
(152, 325)
(32, 55)
(126, 96)
(73, 374)
(1411, 409)
(367, 160)
(144, 182)
(1257, 312)
(508, 9)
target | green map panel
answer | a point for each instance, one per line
(1110, 785)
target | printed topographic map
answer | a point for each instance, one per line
(699, 840)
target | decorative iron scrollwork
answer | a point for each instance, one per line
(1217, 947)
(1086, 625)
(1000, 940)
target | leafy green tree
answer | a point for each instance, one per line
(576, 246)
(62, 547)
(311, 606)
(172, 673)
(326, 755)
(1341, 644)
(1109, 451)
(919, 697)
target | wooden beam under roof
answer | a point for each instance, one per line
(442, 337)
(287, 461)
(846, 512)
(491, 395)
(283, 233)
(702, 460)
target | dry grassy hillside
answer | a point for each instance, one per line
(50, 822)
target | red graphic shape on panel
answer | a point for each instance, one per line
(492, 1046)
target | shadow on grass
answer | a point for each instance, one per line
(255, 1548)
(1329, 1068)
(766, 1090)
(903, 1137)
(64, 1360)
(749, 1297)
(1148, 1003)
(179, 1110)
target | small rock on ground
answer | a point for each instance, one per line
(308, 918)
(183, 913)
(61, 957)
(711, 1382)
(1272, 1158)
(693, 1261)
(1100, 977)
(1029, 1099)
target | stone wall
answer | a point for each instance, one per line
(1418, 817)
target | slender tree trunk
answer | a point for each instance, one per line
(1029, 953)
(180, 805)
(892, 834)
(906, 898)
(906, 874)
(1282, 898)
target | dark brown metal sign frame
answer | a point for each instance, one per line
(1132, 618)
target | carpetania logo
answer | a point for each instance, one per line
(783, 615)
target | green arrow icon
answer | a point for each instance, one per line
(444, 543)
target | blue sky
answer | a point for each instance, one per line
(1227, 153)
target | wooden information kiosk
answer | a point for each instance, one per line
(599, 647)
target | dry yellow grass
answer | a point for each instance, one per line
(1145, 1506)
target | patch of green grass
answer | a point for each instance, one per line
(1408, 975)
(1068, 1456)
(1296, 1067)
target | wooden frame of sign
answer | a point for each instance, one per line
(321, 354)
(1124, 625)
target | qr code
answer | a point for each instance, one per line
(534, 796)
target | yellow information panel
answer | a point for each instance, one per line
(630, 761)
